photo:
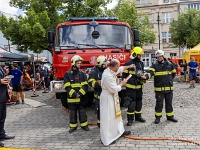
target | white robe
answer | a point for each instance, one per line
(111, 127)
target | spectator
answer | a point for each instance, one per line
(193, 66)
(17, 82)
(5, 69)
(198, 75)
(44, 72)
(4, 96)
(184, 67)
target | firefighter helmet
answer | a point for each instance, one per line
(159, 53)
(101, 60)
(76, 58)
(136, 51)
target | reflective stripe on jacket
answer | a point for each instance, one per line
(164, 74)
(75, 83)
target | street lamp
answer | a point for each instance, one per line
(9, 45)
(158, 19)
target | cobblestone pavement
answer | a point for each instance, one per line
(47, 127)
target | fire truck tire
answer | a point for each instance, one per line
(63, 98)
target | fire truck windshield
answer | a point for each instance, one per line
(81, 35)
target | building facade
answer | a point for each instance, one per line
(161, 13)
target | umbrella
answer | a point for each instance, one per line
(7, 56)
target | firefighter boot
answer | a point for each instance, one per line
(157, 120)
(72, 130)
(130, 122)
(86, 128)
(172, 119)
(138, 117)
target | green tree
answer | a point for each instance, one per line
(127, 12)
(30, 32)
(185, 30)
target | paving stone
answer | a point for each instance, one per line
(47, 127)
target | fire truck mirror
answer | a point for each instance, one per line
(136, 35)
(50, 36)
(95, 34)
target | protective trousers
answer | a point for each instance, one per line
(168, 104)
(135, 107)
(73, 108)
(98, 114)
(2, 118)
(97, 107)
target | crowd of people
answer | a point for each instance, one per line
(104, 79)
(12, 75)
(189, 72)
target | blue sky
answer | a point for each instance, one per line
(5, 8)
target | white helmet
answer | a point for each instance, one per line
(101, 60)
(159, 53)
(76, 58)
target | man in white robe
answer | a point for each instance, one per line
(110, 114)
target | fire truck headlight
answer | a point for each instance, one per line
(128, 47)
(58, 86)
(57, 49)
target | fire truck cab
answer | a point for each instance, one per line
(88, 38)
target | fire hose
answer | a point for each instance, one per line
(141, 138)
(173, 139)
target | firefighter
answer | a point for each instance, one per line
(164, 73)
(95, 82)
(76, 86)
(134, 86)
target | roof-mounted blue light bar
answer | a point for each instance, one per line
(100, 18)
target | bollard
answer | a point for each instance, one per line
(34, 90)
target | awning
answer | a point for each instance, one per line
(7, 56)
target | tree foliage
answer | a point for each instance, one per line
(185, 30)
(127, 12)
(29, 32)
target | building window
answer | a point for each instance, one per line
(195, 6)
(150, 18)
(149, 1)
(138, 1)
(143, 1)
(166, 17)
(165, 1)
(169, 36)
(173, 54)
(164, 37)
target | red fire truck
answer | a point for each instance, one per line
(89, 38)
